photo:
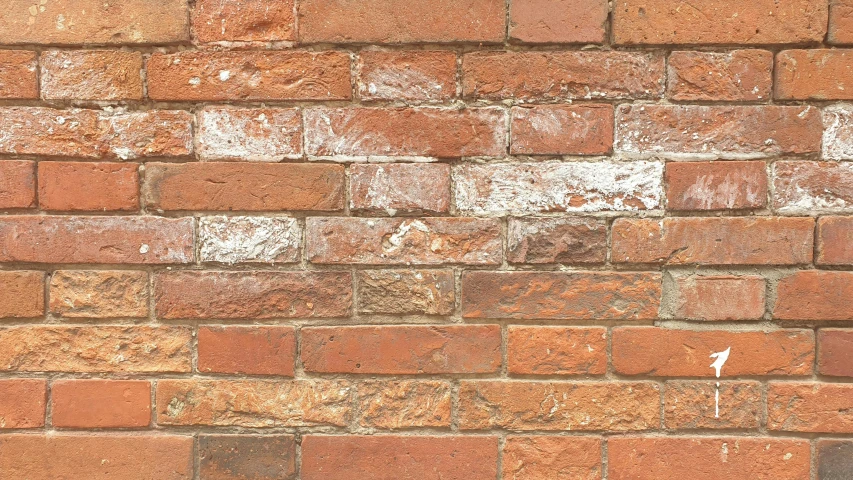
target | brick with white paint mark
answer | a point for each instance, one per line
(562, 130)
(715, 185)
(400, 188)
(249, 239)
(411, 76)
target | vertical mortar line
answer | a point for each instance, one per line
(603, 463)
(501, 446)
(196, 456)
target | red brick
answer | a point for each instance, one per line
(95, 134)
(247, 350)
(723, 297)
(735, 76)
(575, 406)
(17, 184)
(401, 292)
(18, 77)
(718, 131)
(243, 186)
(252, 295)
(556, 240)
(810, 407)
(433, 132)
(840, 22)
(404, 404)
(559, 295)
(834, 241)
(129, 457)
(665, 352)
(256, 135)
(547, 458)
(809, 187)
(399, 457)
(716, 185)
(814, 74)
(22, 404)
(246, 75)
(547, 76)
(99, 294)
(63, 239)
(23, 294)
(413, 76)
(556, 350)
(719, 22)
(256, 457)
(100, 403)
(390, 187)
(691, 405)
(562, 130)
(402, 349)
(91, 75)
(254, 403)
(835, 352)
(401, 21)
(561, 21)
(814, 295)
(713, 241)
(420, 241)
(243, 21)
(733, 458)
(94, 349)
(88, 187)
(75, 22)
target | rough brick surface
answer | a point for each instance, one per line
(99, 294)
(739, 75)
(560, 130)
(428, 292)
(23, 294)
(716, 185)
(562, 21)
(814, 74)
(389, 188)
(243, 21)
(404, 404)
(690, 405)
(414, 76)
(810, 407)
(546, 457)
(556, 351)
(261, 135)
(556, 240)
(18, 77)
(17, 184)
(91, 75)
(23, 403)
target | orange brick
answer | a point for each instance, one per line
(556, 350)
(18, 77)
(690, 405)
(834, 241)
(717, 298)
(840, 22)
(814, 74)
(243, 21)
(389, 187)
(716, 185)
(735, 76)
(92, 187)
(546, 458)
(413, 76)
(99, 294)
(561, 21)
(814, 295)
(401, 292)
(562, 130)
(100, 403)
(835, 352)
(810, 407)
(17, 184)
(23, 294)
(22, 404)
(91, 75)
(404, 404)
(247, 350)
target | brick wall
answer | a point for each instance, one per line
(426, 239)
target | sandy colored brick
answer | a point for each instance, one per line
(815, 74)
(403, 404)
(243, 21)
(806, 188)
(835, 352)
(91, 75)
(412, 76)
(402, 292)
(716, 185)
(814, 295)
(561, 21)
(389, 187)
(556, 240)
(100, 403)
(88, 187)
(692, 405)
(23, 294)
(715, 297)
(562, 130)
(256, 457)
(99, 294)
(17, 184)
(810, 407)
(237, 239)
(18, 77)
(735, 76)
(243, 350)
(542, 350)
(251, 134)
(23, 402)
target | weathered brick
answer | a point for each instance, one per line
(548, 76)
(690, 405)
(99, 294)
(399, 457)
(716, 185)
(734, 76)
(17, 184)
(249, 239)
(75, 22)
(424, 131)
(23, 402)
(401, 21)
(390, 188)
(91, 75)
(404, 404)
(561, 295)
(719, 22)
(840, 25)
(247, 350)
(252, 295)
(526, 188)
(562, 130)
(810, 187)
(256, 457)
(838, 132)
(547, 458)
(131, 240)
(413, 76)
(666, 352)
(834, 241)
(18, 77)
(243, 21)
(88, 187)
(100, 403)
(246, 75)
(23, 294)
(243, 186)
(834, 459)
(713, 241)
(814, 74)
(733, 458)
(543, 350)
(576, 406)
(716, 297)
(556, 240)
(92, 349)
(409, 349)
(255, 135)
(814, 295)
(561, 21)
(129, 457)
(387, 241)
(810, 407)
(250, 403)
(401, 292)
(835, 352)
(718, 131)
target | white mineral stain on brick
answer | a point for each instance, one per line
(707, 194)
(396, 84)
(838, 132)
(342, 139)
(266, 135)
(500, 189)
(249, 239)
